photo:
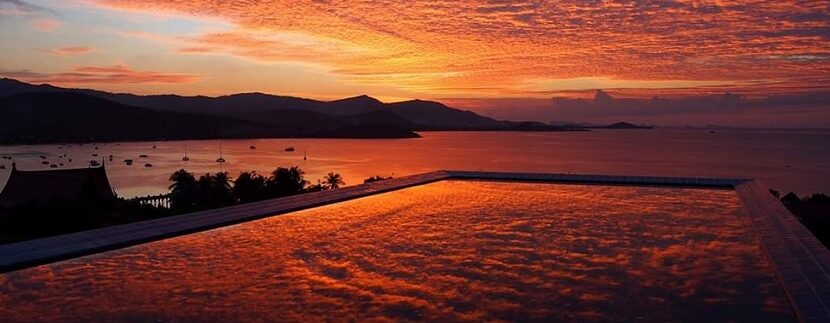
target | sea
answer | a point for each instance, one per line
(784, 160)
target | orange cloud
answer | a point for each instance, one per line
(45, 24)
(68, 51)
(270, 46)
(473, 48)
(117, 74)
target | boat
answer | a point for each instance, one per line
(94, 163)
(2, 166)
(220, 159)
(305, 156)
(53, 166)
(129, 162)
(110, 157)
(289, 149)
(185, 158)
(252, 147)
(45, 162)
(42, 157)
(148, 165)
(142, 156)
(94, 155)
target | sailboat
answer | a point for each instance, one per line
(220, 159)
(185, 158)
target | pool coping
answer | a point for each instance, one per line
(800, 261)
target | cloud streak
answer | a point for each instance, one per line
(116, 74)
(21, 7)
(68, 51)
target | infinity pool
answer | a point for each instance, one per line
(447, 251)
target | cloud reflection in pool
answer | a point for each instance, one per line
(448, 251)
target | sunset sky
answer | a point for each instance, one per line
(507, 59)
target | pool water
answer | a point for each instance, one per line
(447, 251)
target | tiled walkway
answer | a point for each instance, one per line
(801, 262)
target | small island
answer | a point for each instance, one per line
(621, 125)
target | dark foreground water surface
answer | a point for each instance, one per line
(784, 160)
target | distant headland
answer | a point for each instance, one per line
(40, 114)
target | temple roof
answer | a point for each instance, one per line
(43, 185)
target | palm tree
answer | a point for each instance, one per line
(183, 191)
(333, 181)
(286, 181)
(214, 190)
(249, 187)
(221, 181)
(315, 187)
(203, 186)
(181, 179)
(221, 193)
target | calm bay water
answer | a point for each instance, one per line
(785, 160)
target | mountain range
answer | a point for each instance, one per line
(32, 113)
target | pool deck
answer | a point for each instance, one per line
(801, 262)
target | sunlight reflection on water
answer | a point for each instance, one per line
(448, 251)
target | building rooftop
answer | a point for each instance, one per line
(43, 185)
